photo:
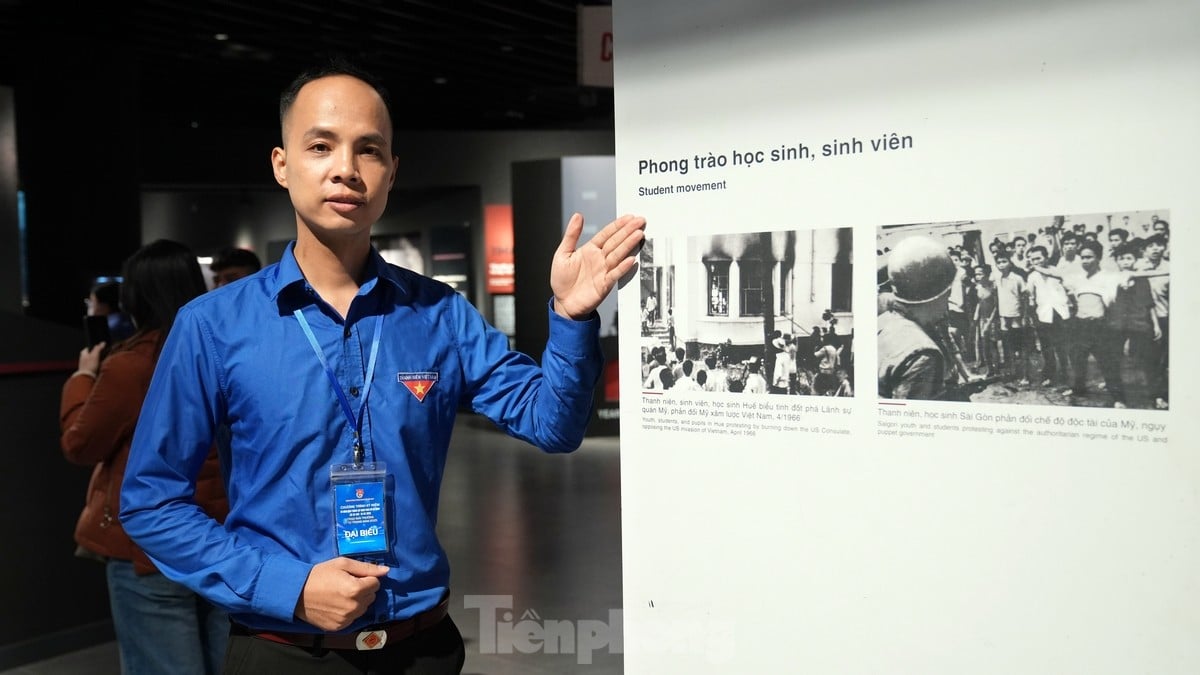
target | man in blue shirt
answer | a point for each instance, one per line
(338, 377)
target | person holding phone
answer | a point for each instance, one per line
(161, 626)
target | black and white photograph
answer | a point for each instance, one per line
(752, 313)
(1069, 310)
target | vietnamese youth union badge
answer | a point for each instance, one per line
(418, 383)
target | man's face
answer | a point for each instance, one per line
(980, 275)
(1125, 261)
(336, 161)
(230, 275)
(1115, 240)
(1160, 226)
(1088, 259)
(1070, 246)
(1154, 250)
(1020, 245)
(1036, 258)
(1003, 264)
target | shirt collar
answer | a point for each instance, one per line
(287, 273)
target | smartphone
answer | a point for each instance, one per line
(95, 330)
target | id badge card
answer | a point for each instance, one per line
(360, 509)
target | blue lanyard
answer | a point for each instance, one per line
(355, 421)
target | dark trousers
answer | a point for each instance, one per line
(1092, 337)
(1016, 355)
(1157, 376)
(1054, 349)
(1141, 354)
(436, 651)
(825, 384)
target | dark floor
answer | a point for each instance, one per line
(535, 537)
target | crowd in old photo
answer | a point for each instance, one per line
(1079, 313)
(818, 363)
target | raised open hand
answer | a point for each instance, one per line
(582, 277)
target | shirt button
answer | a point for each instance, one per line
(346, 333)
(354, 391)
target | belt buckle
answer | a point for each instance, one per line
(370, 639)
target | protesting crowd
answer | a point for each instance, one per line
(1048, 305)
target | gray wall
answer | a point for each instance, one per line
(545, 194)
(483, 158)
(10, 262)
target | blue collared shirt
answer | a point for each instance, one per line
(238, 358)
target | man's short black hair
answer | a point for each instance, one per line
(235, 257)
(336, 64)
(1091, 245)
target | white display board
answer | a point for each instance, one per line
(779, 150)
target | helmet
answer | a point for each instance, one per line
(920, 270)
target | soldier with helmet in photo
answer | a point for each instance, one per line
(916, 360)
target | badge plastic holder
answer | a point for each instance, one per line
(360, 509)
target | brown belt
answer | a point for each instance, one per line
(371, 637)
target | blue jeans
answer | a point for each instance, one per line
(162, 627)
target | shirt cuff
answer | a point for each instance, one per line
(277, 592)
(574, 336)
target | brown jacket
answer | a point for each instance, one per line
(97, 417)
